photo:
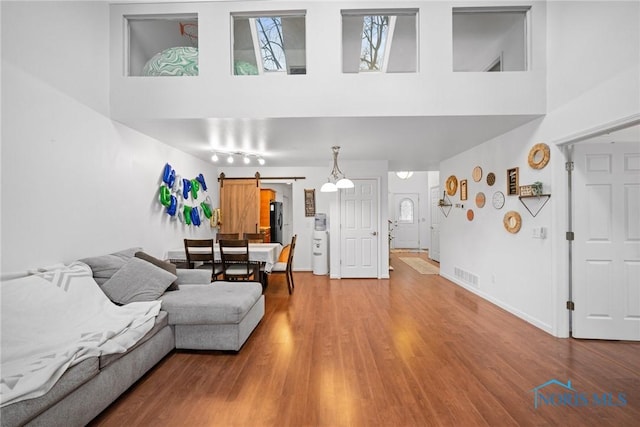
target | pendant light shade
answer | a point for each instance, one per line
(344, 183)
(328, 187)
(336, 179)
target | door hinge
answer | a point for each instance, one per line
(568, 166)
(570, 305)
(570, 236)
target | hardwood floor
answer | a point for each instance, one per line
(414, 350)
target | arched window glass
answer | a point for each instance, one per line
(406, 211)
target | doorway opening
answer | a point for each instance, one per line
(603, 183)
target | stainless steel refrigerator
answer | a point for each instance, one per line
(275, 216)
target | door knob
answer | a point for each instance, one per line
(375, 233)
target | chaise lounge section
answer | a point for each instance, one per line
(196, 314)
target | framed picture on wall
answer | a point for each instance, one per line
(513, 188)
(310, 202)
(463, 189)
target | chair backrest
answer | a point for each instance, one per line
(292, 247)
(234, 251)
(235, 254)
(227, 236)
(284, 253)
(204, 255)
(254, 237)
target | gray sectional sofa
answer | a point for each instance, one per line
(196, 314)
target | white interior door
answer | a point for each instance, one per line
(406, 222)
(606, 257)
(436, 216)
(359, 230)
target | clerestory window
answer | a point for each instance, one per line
(490, 39)
(162, 45)
(383, 41)
(269, 44)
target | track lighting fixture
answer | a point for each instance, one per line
(231, 155)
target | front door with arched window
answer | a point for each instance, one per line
(406, 227)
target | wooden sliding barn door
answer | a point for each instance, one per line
(240, 205)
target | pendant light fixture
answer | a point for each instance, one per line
(336, 177)
(404, 174)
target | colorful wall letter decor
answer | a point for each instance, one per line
(180, 197)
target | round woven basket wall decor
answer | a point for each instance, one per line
(481, 199)
(491, 178)
(452, 185)
(477, 174)
(539, 156)
(512, 222)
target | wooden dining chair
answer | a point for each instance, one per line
(235, 261)
(254, 237)
(204, 255)
(284, 267)
(227, 236)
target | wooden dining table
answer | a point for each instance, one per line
(266, 253)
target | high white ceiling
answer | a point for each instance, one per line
(408, 143)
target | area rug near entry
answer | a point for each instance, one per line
(420, 265)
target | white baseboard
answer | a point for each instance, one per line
(524, 316)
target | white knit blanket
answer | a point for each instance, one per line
(54, 320)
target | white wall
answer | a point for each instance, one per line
(524, 275)
(434, 90)
(74, 182)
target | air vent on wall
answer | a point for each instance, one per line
(466, 277)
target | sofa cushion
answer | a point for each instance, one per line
(218, 303)
(193, 276)
(105, 266)
(171, 268)
(137, 280)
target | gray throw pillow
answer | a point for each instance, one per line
(137, 280)
(105, 266)
(165, 265)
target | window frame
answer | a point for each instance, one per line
(392, 14)
(252, 17)
(526, 10)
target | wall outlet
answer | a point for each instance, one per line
(539, 233)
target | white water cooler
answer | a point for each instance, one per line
(320, 246)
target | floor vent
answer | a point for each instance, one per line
(466, 277)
